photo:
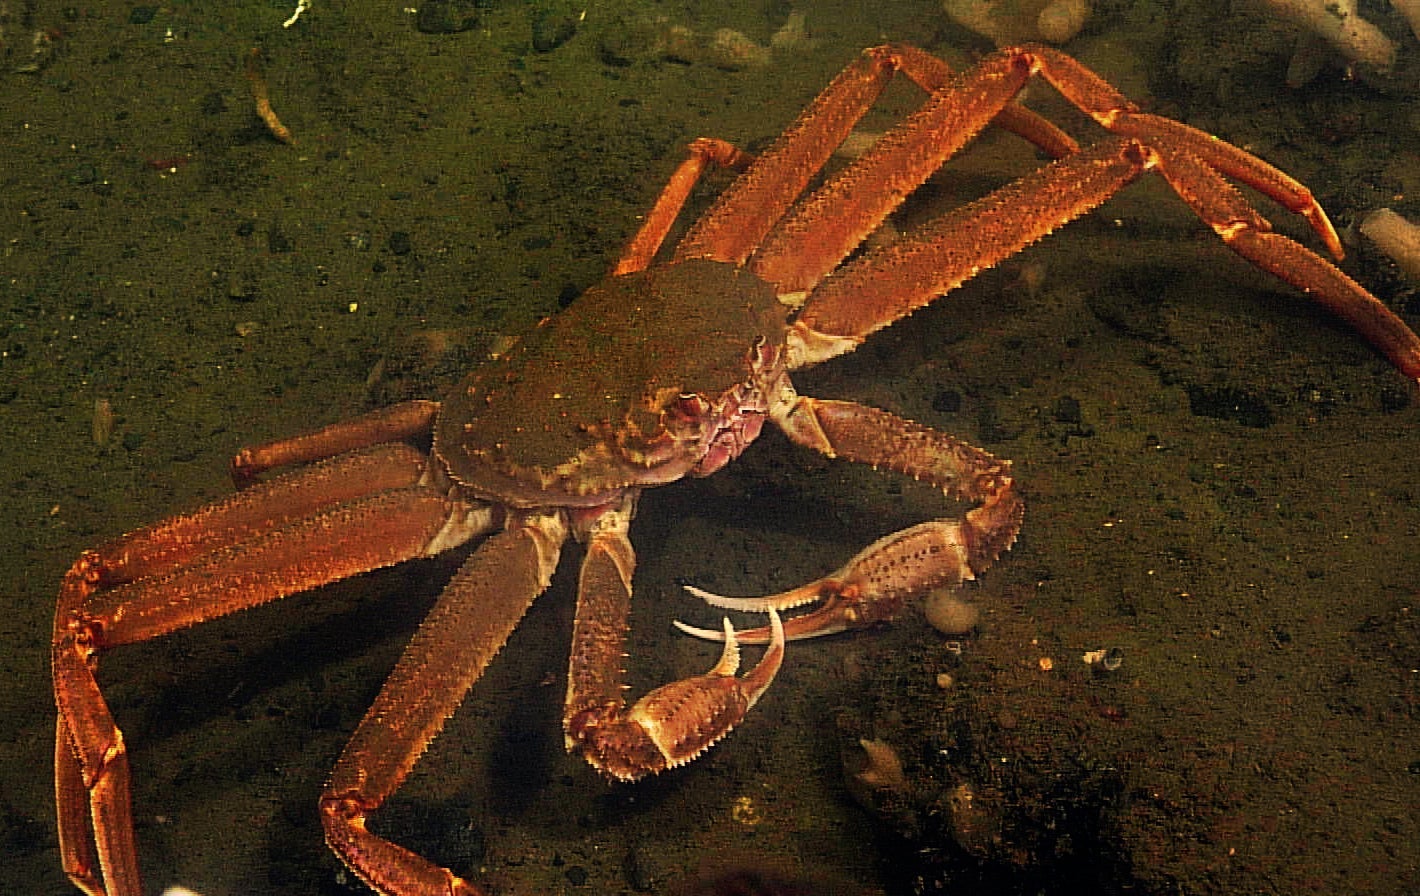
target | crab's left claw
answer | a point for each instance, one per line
(840, 607)
(677, 722)
(872, 586)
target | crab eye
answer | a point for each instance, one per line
(692, 405)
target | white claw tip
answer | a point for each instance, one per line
(730, 657)
(704, 634)
(776, 628)
(702, 593)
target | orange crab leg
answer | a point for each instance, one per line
(157, 549)
(406, 420)
(873, 586)
(933, 74)
(670, 725)
(1250, 235)
(887, 284)
(237, 553)
(95, 831)
(823, 229)
(97, 848)
(744, 213)
(472, 619)
(1097, 98)
(703, 152)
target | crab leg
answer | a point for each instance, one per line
(1250, 235)
(802, 249)
(672, 724)
(406, 420)
(823, 229)
(355, 514)
(887, 284)
(702, 153)
(736, 224)
(468, 625)
(873, 586)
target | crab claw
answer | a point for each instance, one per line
(678, 721)
(870, 588)
(841, 608)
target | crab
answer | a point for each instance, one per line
(667, 369)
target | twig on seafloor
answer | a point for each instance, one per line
(263, 102)
(301, 6)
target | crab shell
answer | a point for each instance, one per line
(646, 378)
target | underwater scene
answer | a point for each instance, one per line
(1196, 669)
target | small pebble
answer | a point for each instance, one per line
(949, 613)
(551, 28)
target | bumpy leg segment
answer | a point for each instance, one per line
(468, 625)
(317, 525)
(672, 724)
(874, 584)
(886, 284)
(737, 224)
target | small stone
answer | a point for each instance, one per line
(551, 28)
(623, 43)
(1067, 410)
(881, 766)
(277, 242)
(946, 401)
(400, 243)
(446, 16)
(949, 613)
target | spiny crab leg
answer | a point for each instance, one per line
(858, 595)
(678, 721)
(672, 724)
(873, 586)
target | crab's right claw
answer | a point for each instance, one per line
(678, 721)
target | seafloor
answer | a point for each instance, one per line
(1221, 480)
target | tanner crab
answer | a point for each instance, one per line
(665, 370)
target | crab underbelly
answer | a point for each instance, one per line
(529, 491)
